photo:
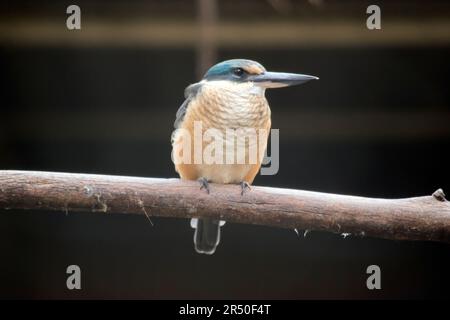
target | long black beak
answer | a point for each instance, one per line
(281, 79)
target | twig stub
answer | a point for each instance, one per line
(439, 195)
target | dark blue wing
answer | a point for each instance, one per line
(189, 94)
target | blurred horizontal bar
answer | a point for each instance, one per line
(243, 10)
(251, 35)
(298, 126)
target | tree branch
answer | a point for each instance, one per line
(419, 218)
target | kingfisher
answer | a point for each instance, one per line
(230, 97)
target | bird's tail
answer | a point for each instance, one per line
(207, 234)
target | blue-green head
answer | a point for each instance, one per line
(242, 70)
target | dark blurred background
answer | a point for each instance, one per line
(103, 99)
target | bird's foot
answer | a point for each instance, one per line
(244, 187)
(204, 184)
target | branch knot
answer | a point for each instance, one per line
(439, 195)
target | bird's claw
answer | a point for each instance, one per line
(204, 184)
(244, 186)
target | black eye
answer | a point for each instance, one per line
(238, 72)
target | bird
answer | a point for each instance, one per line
(230, 96)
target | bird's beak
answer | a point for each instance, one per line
(280, 79)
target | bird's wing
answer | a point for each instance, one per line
(181, 113)
(189, 93)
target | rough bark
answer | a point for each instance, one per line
(418, 218)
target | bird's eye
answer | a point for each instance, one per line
(238, 72)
